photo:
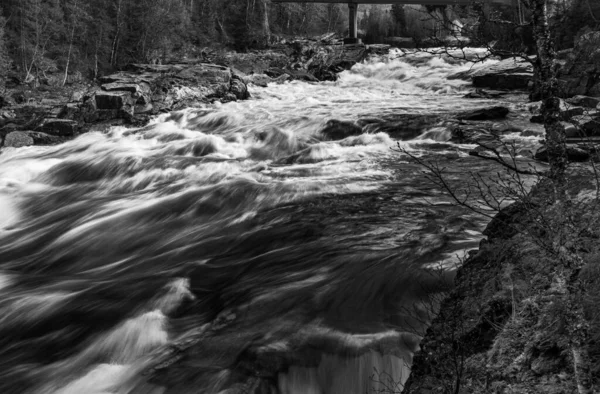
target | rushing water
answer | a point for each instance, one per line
(245, 246)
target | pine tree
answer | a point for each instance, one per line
(4, 57)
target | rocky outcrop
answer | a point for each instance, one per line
(581, 73)
(504, 327)
(509, 74)
(130, 97)
(145, 90)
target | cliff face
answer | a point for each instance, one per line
(508, 325)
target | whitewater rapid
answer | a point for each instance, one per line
(270, 244)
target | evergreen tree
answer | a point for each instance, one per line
(4, 57)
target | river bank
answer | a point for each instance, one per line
(504, 328)
(47, 114)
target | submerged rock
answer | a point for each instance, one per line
(337, 130)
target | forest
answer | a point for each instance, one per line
(84, 39)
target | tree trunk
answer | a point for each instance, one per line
(581, 366)
(69, 55)
(265, 23)
(546, 87)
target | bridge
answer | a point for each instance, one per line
(353, 9)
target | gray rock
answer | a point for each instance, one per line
(506, 74)
(238, 88)
(259, 80)
(587, 126)
(143, 108)
(18, 139)
(114, 100)
(68, 111)
(60, 127)
(581, 73)
(337, 130)
(567, 111)
(491, 113)
(40, 138)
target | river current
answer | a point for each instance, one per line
(272, 245)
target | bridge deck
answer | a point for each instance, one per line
(353, 8)
(420, 2)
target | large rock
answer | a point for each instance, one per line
(40, 138)
(60, 127)
(587, 126)
(18, 139)
(114, 100)
(506, 74)
(400, 126)
(567, 111)
(337, 130)
(490, 113)
(238, 88)
(581, 73)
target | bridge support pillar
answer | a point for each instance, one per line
(353, 25)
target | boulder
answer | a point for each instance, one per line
(497, 112)
(581, 73)
(238, 88)
(114, 100)
(68, 111)
(588, 126)
(40, 138)
(140, 92)
(18, 139)
(60, 127)
(567, 111)
(261, 80)
(507, 74)
(337, 130)
(470, 134)
(400, 126)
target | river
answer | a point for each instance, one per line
(238, 246)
